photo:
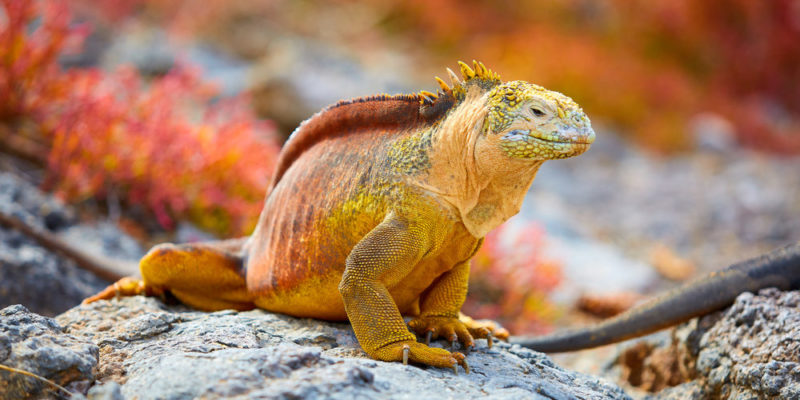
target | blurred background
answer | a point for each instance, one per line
(124, 123)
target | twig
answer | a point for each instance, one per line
(23, 147)
(32, 375)
(105, 269)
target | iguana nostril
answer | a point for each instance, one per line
(590, 136)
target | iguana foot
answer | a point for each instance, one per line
(407, 350)
(462, 329)
(127, 286)
(447, 328)
(484, 329)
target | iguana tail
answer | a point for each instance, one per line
(779, 268)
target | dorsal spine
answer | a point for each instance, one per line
(403, 111)
(348, 117)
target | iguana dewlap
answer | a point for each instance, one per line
(375, 209)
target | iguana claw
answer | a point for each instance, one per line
(468, 350)
(127, 286)
(411, 351)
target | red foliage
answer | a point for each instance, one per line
(510, 280)
(163, 145)
(648, 66)
(28, 60)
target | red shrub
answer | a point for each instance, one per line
(163, 144)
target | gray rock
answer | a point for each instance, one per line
(105, 391)
(752, 352)
(171, 352)
(36, 344)
(44, 282)
(24, 201)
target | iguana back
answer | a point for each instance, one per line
(333, 184)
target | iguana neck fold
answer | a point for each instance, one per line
(482, 195)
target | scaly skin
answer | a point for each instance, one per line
(780, 269)
(375, 209)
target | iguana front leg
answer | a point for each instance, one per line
(387, 254)
(440, 315)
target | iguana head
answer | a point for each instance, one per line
(530, 122)
(526, 121)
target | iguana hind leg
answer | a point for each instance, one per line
(439, 309)
(205, 276)
(440, 316)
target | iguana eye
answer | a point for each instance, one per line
(537, 112)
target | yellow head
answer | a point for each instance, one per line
(526, 121)
(530, 122)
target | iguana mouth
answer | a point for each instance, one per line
(523, 143)
(564, 141)
(572, 137)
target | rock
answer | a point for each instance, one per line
(105, 391)
(156, 351)
(38, 345)
(29, 274)
(713, 132)
(748, 351)
(148, 50)
(40, 280)
(24, 201)
(44, 282)
(296, 77)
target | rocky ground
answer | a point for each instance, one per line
(139, 348)
(45, 282)
(749, 351)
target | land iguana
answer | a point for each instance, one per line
(375, 208)
(377, 205)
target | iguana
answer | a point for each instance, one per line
(375, 208)
(377, 205)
